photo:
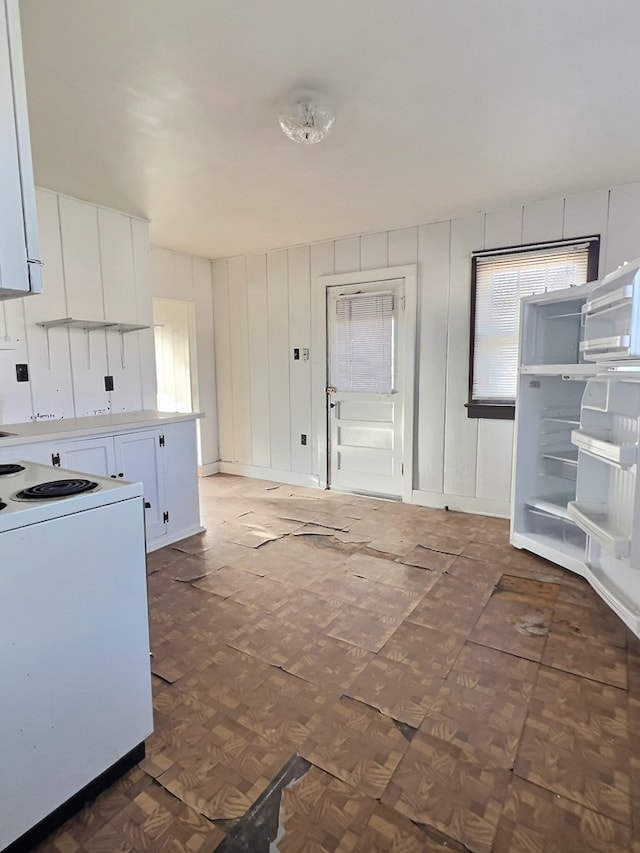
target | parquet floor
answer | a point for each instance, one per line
(335, 674)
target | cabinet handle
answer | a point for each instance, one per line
(120, 475)
(147, 505)
(113, 476)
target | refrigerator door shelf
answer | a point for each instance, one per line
(599, 526)
(611, 317)
(622, 455)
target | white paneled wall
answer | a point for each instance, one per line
(96, 267)
(262, 310)
(185, 278)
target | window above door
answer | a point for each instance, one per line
(499, 279)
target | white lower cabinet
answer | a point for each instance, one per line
(163, 459)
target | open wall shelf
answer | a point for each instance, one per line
(92, 325)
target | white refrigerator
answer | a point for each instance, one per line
(577, 435)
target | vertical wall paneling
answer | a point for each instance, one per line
(299, 272)
(222, 336)
(347, 254)
(374, 250)
(240, 376)
(403, 246)
(163, 274)
(204, 367)
(183, 277)
(623, 242)
(49, 361)
(585, 215)
(83, 287)
(433, 309)
(461, 432)
(503, 227)
(144, 311)
(542, 220)
(119, 287)
(15, 397)
(322, 263)
(495, 450)
(278, 318)
(259, 360)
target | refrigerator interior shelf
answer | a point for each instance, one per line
(568, 420)
(610, 301)
(600, 527)
(553, 505)
(579, 370)
(611, 347)
(623, 455)
(570, 455)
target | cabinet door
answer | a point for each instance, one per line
(181, 477)
(88, 456)
(40, 452)
(14, 276)
(138, 458)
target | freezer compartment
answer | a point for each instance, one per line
(611, 317)
(552, 331)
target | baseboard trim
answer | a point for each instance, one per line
(461, 503)
(163, 541)
(291, 478)
(209, 469)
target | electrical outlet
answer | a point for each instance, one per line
(303, 439)
(305, 353)
(22, 372)
(108, 383)
(296, 354)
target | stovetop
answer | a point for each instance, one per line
(31, 492)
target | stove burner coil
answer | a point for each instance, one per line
(55, 489)
(10, 469)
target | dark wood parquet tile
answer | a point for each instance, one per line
(284, 709)
(396, 689)
(358, 745)
(493, 671)
(391, 573)
(445, 786)
(387, 831)
(271, 639)
(154, 821)
(451, 605)
(589, 658)
(362, 627)
(77, 832)
(221, 775)
(534, 819)
(575, 743)
(321, 814)
(488, 723)
(594, 622)
(425, 650)
(327, 662)
(514, 622)
(476, 573)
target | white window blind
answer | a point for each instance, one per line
(364, 343)
(501, 281)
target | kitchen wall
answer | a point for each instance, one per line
(186, 278)
(96, 267)
(262, 309)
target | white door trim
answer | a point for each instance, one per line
(409, 273)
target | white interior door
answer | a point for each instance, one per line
(365, 394)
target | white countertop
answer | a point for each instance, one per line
(32, 431)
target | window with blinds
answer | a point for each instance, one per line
(364, 343)
(499, 281)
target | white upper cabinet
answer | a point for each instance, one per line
(20, 272)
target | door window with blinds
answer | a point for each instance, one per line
(498, 282)
(364, 343)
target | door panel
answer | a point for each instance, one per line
(89, 456)
(137, 457)
(364, 355)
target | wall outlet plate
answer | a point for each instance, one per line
(108, 383)
(22, 372)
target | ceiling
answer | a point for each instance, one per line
(166, 108)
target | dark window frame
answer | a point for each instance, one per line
(505, 410)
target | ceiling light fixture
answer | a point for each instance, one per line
(306, 117)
